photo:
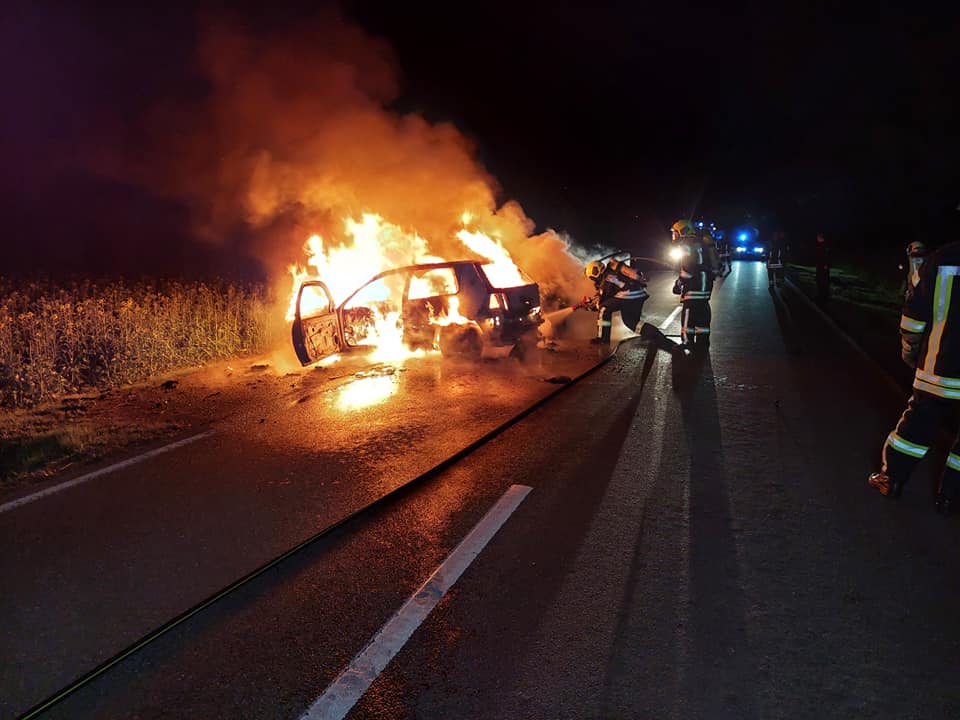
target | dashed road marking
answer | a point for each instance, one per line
(102, 471)
(670, 318)
(350, 685)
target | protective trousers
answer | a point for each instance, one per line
(631, 314)
(910, 441)
(695, 323)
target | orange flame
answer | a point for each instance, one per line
(378, 245)
(502, 272)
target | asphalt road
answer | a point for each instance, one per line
(91, 569)
(699, 542)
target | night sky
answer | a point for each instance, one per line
(608, 123)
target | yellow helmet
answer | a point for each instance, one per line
(594, 269)
(682, 228)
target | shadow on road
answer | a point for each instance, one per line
(718, 657)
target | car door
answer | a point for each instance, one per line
(316, 326)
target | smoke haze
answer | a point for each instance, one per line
(294, 135)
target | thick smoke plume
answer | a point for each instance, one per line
(294, 136)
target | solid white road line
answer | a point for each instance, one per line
(350, 685)
(671, 317)
(102, 471)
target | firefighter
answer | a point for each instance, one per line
(930, 343)
(698, 266)
(621, 287)
(723, 252)
(775, 259)
(916, 252)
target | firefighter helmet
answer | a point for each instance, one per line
(682, 229)
(594, 269)
(916, 249)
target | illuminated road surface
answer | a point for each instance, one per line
(93, 568)
(699, 541)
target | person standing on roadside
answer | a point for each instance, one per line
(821, 255)
(916, 252)
(775, 255)
(930, 343)
(723, 252)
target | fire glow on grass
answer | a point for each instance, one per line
(378, 245)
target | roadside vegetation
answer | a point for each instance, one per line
(865, 302)
(858, 285)
(57, 340)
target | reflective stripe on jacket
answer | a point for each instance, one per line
(932, 311)
(622, 282)
(699, 264)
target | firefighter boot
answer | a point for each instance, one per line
(886, 485)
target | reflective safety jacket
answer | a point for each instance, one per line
(699, 265)
(620, 281)
(931, 322)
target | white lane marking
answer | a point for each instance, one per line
(671, 317)
(102, 471)
(350, 685)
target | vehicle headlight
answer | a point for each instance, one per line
(676, 253)
(758, 249)
(741, 249)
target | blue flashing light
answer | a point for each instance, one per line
(743, 237)
(740, 248)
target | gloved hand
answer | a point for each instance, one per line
(678, 287)
(589, 303)
(910, 348)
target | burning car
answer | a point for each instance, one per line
(456, 307)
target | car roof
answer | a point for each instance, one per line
(414, 268)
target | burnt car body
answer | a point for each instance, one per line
(450, 306)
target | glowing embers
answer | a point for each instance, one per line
(369, 388)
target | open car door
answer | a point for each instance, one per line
(316, 327)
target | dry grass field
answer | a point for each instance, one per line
(62, 340)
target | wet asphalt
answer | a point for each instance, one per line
(700, 542)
